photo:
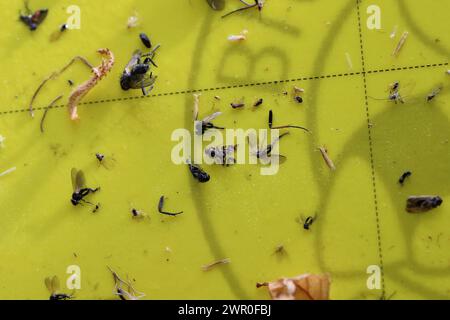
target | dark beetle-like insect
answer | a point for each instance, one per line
(258, 102)
(145, 40)
(198, 173)
(417, 204)
(79, 189)
(404, 176)
(136, 74)
(33, 20)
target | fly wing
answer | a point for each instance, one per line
(80, 180)
(133, 61)
(211, 117)
(55, 283)
(147, 81)
(49, 285)
(74, 174)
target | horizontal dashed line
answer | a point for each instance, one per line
(242, 85)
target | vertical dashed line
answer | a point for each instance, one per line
(374, 186)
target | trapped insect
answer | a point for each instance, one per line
(138, 214)
(258, 102)
(264, 153)
(404, 176)
(417, 204)
(80, 191)
(222, 154)
(258, 4)
(52, 285)
(137, 75)
(145, 40)
(33, 19)
(124, 289)
(307, 222)
(206, 124)
(434, 93)
(161, 210)
(198, 173)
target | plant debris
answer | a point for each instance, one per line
(304, 287)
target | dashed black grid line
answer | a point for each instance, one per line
(374, 186)
(243, 85)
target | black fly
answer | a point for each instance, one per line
(52, 285)
(33, 20)
(79, 189)
(198, 173)
(136, 74)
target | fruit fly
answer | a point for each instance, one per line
(418, 204)
(258, 4)
(161, 210)
(79, 189)
(136, 74)
(205, 124)
(222, 154)
(404, 176)
(198, 173)
(106, 162)
(33, 20)
(52, 285)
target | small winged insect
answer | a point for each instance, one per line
(222, 154)
(394, 92)
(206, 124)
(198, 173)
(138, 214)
(264, 151)
(418, 204)
(104, 161)
(434, 93)
(161, 208)
(307, 222)
(404, 176)
(52, 285)
(124, 289)
(80, 191)
(257, 4)
(137, 74)
(33, 19)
